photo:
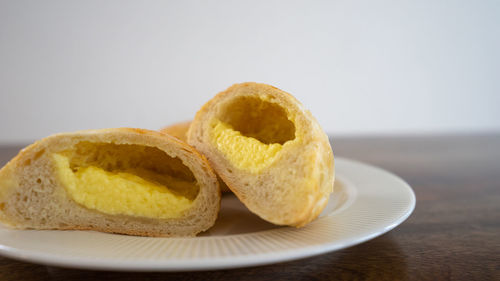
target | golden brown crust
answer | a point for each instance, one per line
(278, 193)
(16, 177)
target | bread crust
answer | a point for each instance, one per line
(31, 175)
(296, 187)
(179, 130)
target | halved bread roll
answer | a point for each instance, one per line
(128, 181)
(269, 150)
(179, 130)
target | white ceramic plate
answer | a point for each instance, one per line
(367, 202)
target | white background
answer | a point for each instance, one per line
(361, 67)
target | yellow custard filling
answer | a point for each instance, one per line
(246, 153)
(251, 132)
(129, 189)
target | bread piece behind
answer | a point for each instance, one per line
(178, 130)
(32, 196)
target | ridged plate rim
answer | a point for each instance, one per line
(377, 202)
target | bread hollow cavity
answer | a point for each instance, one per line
(251, 131)
(125, 179)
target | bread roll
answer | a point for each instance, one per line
(269, 150)
(179, 130)
(128, 181)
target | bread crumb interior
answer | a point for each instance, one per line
(126, 179)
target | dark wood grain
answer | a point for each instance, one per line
(453, 234)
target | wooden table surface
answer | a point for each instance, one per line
(453, 234)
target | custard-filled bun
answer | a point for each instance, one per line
(269, 150)
(128, 181)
